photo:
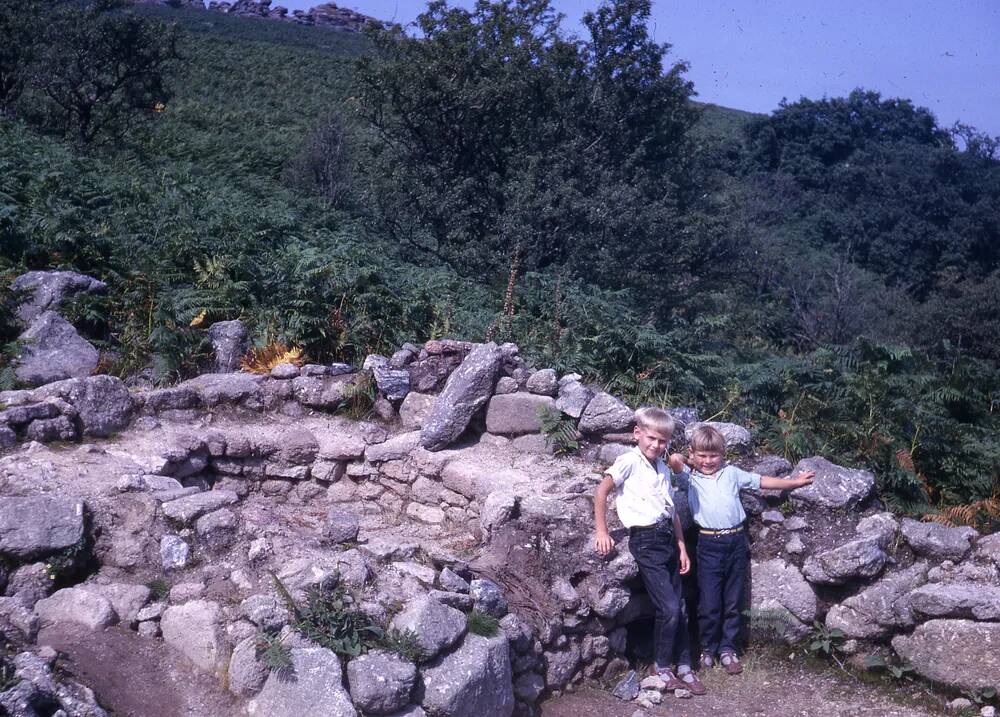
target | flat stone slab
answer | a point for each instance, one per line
(39, 525)
(474, 680)
(79, 605)
(937, 541)
(188, 508)
(959, 653)
(513, 414)
(312, 687)
(833, 486)
(857, 559)
(881, 609)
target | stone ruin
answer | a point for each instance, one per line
(172, 508)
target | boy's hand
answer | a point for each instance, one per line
(604, 543)
(685, 561)
(676, 462)
(803, 478)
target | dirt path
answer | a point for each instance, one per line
(771, 685)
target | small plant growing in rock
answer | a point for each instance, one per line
(481, 623)
(766, 625)
(902, 671)
(786, 508)
(403, 643)
(273, 653)
(8, 678)
(359, 397)
(559, 431)
(66, 562)
(159, 589)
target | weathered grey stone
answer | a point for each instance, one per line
(573, 397)
(126, 598)
(459, 601)
(430, 514)
(185, 510)
(16, 617)
(528, 687)
(436, 627)
(772, 517)
(487, 597)
(103, 404)
(414, 409)
(186, 591)
(516, 413)
(217, 529)
(498, 509)
(52, 350)
(475, 679)
(881, 609)
(7, 437)
(833, 486)
(857, 559)
(610, 602)
(960, 600)
(39, 525)
(230, 343)
(395, 448)
(543, 382)
(45, 290)
(246, 674)
(606, 414)
(266, 612)
(194, 630)
(380, 683)
(312, 686)
(879, 526)
(30, 583)
(778, 589)
(341, 525)
(393, 383)
(428, 375)
(627, 688)
(167, 399)
(938, 541)
(959, 653)
(795, 546)
(325, 392)
(79, 605)
(518, 632)
(466, 391)
(60, 428)
(285, 371)
(561, 665)
(506, 384)
(452, 581)
(174, 552)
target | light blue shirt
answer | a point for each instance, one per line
(715, 499)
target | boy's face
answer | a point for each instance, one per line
(652, 443)
(707, 462)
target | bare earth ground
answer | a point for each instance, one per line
(770, 685)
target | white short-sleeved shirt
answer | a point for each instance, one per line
(715, 499)
(642, 489)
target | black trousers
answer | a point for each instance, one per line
(655, 551)
(723, 561)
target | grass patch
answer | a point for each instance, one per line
(480, 623)
(159, 588)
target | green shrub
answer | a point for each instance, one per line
(481, 623)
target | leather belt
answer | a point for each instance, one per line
(724, 531)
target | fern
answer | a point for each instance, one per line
(559, 430)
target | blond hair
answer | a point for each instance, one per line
(655, 419)
(707, 439)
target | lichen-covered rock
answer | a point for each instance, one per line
(217, 529)
(606, 414)
(879, 526)
(80, 605)
(195, 631)
(881, 608)
(436, 627)
(414, 409)
(833, 486)
(60, 428)
(380, 683)
(543, 382)
(465, 392)
(312, 686)
(394, 449)
(340, 526)
(561, 665)
(513, 414)
(185, 510)
(39, 525)
(126, 598)
(52, 350)
(475, 680)
(959, 653)
(498, 509)
(779, 591)
(230, 343)
(858, 559)
(487, 597)
(46, 290)
(938, 541)
(960, 600)
(174, 552)
(246, 673)
(16, 617)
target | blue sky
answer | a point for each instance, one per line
(942, 54)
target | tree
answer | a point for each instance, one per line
(99, 70)
(18, 22)
(499, 139)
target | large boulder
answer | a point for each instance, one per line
(435, 626)
(465, 392)
(606, 414)
(858, 559)
(79, 605)
(472, 681)
(833, 486)
(48, 289)
(230, 343)
(415, 409)
(959, 653)
(961, 599)
(513, 414)
(103, 404)
(880, 609)
(194, 630)
(573, 397)
(781, 596)
(39, 525)
(52, 350)
(380, 682)
(312, 686)
(216, 388)
(937, 541)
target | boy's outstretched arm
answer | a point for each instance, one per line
(797, 481)
(604, 542)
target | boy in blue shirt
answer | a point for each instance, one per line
(723, 556)
(644, 501)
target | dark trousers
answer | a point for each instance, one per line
(655, 551)
(722, 571)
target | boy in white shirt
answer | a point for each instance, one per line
(722, 552)
(640, 481)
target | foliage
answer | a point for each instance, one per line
(559, 430)
(264, 359)
(8, 673)
(274, 653)
(481, 623)
(824, 641)
(403, 642)
(159, 588)
(898, 672)
(359, 396)
(766, 625)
